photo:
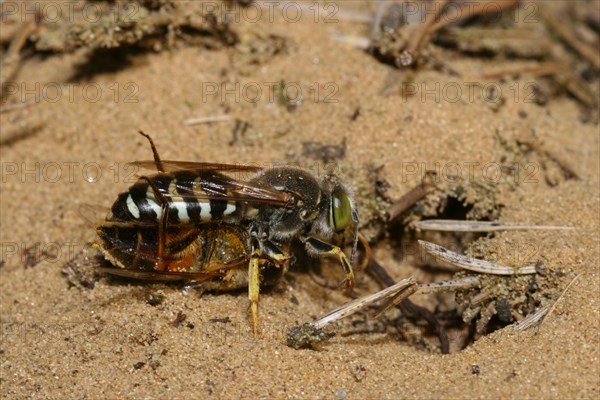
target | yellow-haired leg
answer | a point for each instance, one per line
(254, 290)
(319, 247)
(349, 281)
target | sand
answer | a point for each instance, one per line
(60, 341)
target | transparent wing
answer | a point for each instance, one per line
(95, 216)
(207, 182)
(174, 166)
(221, 187)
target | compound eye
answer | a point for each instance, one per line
(340, 214)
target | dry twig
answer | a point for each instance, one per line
(436, 21)
(11, 61)
(588, 52)
(419, 38)
(412, 196)
(540, 69)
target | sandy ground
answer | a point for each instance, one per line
(59, 341)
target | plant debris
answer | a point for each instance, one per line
(473, 264)
(501, 30)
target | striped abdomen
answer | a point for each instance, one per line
(186, 194)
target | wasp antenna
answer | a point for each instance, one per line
(157, 161)
(355, 240)
(367, 248)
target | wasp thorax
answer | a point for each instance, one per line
(305, 198)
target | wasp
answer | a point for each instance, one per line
(199, 222)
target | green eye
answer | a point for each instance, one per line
(340, 214)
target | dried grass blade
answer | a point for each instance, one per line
(474, 264)
(543, 312)
(448, 225)
(532, 319)
(207, 120)
(354, 306)
(449, 285)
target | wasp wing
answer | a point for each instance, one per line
(215, 186)
(194, 190)
(207, 181)
(193, 186)
(95, 217)
(174, 166)
(93, 214)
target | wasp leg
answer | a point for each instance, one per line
(162, 227)
(263, 251)
(162, 223)
(319, 247)
(162, 234)
(272, 251)
(254, 288)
